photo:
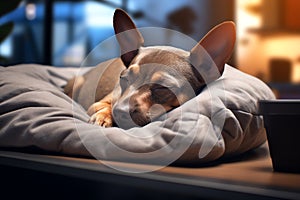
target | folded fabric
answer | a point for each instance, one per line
(221, 121)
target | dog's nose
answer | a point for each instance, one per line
(122, 118)
(119, 114)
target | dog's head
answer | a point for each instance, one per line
(160, 78)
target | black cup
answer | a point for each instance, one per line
(282, 123)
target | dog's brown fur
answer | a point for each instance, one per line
(159, 78)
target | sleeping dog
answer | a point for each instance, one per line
(155, 79)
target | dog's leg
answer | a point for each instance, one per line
(73, 86)
(101, 112)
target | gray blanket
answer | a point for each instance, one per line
(220, 121)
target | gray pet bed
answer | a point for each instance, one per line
(221, 121)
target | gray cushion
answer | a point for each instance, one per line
(220, 121)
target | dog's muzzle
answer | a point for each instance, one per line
(129, 118)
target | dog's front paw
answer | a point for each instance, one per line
(101, 114)
(102, 118)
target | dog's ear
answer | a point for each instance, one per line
(219, 44)
(129, 38)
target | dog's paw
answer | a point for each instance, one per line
(101, 114)
(102, 118)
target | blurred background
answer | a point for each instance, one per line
(62, 33)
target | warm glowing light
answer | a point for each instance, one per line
(296, 74)
(245, 18)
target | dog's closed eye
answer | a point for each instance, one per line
(161, 94)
